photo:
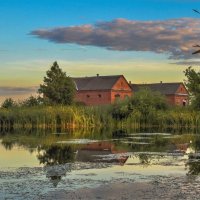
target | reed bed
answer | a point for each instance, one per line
(173, 118)
(51, 117)
(61, 118)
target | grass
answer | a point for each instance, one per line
(52, 117)
(61, 118)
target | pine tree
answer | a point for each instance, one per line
(57, 88)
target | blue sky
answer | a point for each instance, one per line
(34, 33)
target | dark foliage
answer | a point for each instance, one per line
(193, 85)
(57, 88)
(9, 103)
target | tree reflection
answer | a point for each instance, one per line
(196, 144)
(194, 167)
(56, 155)
(193, 164)
(55, 180)
(119, 133)
(145, 159)
(8, 145)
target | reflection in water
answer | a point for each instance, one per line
(113, 148)
(97, 151)
(55, 180)
(119, 133)
(54, 156)
(145, 159)
(7, 144)
(57, 156)
(193, 164)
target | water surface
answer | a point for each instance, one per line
(33, 164)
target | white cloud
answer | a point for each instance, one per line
(174, 37)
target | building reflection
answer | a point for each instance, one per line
(57, 159)
(101, 152)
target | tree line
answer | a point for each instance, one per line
(59, 89)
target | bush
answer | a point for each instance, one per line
(32, 101)
(9, 103)
(146, 100)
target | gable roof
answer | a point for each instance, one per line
(96, 82)
(163, 88)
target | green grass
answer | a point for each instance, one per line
(52, 117)
(60, 118)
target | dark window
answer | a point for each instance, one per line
(88, 95)
(117, 95)
(99, 95)
(184, 102)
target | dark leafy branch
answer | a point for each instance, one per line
(198, 51)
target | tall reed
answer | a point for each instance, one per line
(53, 117)
(60, 118)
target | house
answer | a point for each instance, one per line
(176, 93)
(100, 90)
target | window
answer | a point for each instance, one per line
(99, 95)
(88, 95)
(117, 96)
(184, 102)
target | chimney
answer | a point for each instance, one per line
(129, 82)
(97, 75)
(160, 82)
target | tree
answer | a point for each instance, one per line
(121, 110)
(58, 88)
(32, 101)
(193, 85)
(146, 100)
(9, 103)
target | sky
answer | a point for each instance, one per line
(147, 41)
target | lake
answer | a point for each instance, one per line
(36, 163)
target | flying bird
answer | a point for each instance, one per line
(196, 45)
(196, 52)
(196, 11)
